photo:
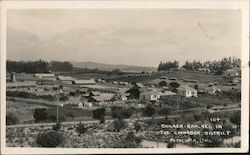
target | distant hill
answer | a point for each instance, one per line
(110, 67)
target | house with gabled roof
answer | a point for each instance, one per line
(187, 91)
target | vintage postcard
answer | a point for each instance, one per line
(124, 76)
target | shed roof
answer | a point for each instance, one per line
(90, 81)
(103, 97)
(44, 75)
(65, 78)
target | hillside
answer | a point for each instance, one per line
(109, 67)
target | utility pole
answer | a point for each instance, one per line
(57, 109)
(57, 114)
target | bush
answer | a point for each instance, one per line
(236, 118)
(63, 98)
(149, 111)
(170, 145)
(117, 112)
(163, 83)
(137, 126)
(128, 112)
(81, 129)
(99, 114)
(131, 141)
(174, 86)
(121, 113)
(49, 139)
(118, 125)
(57, 127)
(40, 114)
(11, 119)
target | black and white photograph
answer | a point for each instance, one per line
(124, 77)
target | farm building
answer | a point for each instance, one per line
(101, 81)
(165, 94)
(232, 72)
(45, 76)
(213, 90)
(11, 77)
(187, 91)
(236, 80)
(81, 105)
(142, 75)
(120, 97)
(124, 97)
(163, 78)
(65, 79)
(101, 98)
(172, 78)
(140, 85)
(152, 95)
(84, 82)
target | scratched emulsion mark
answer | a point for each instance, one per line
(204, 31)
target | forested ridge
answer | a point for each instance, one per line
(39, 66)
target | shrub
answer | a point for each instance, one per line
(49, 139)
(11, 119)
(149, 111)
(40, 114)
(81, 129)
(236, 118)
(131, 141)
(163, 83)
(118, 125)
(128, 112)
(137, 126)
(63, 98)
(170, 145)
(138, 140)
(174, 86)
(99, 114)
(57, 127)
(121, 113)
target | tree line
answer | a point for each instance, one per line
(214, 66)
(39, 66)
(168, 65)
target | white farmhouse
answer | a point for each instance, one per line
(187, 91)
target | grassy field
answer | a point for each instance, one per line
(24, 110)
(191, 75)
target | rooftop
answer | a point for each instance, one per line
(65, 78)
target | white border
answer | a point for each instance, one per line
(194, 4)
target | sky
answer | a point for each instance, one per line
(141, 37)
